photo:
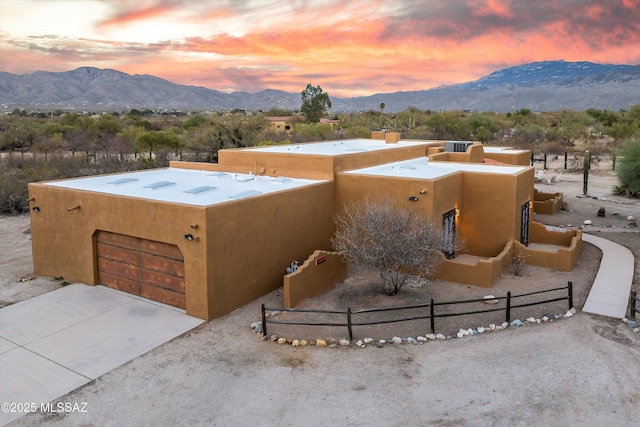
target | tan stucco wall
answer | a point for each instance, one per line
(392, 137)
(435, 197)
(242, 252)
(250, 242)
(319, 273)
(245, 245)
(564, 257)
(312, 166)
(491, 209)
(547, 203)
(512, 158)
(489, 203)
(276, 164)
(474, 154)
(484, 273)
(63, 241)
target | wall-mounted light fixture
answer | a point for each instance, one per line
(457, 212)
(190, 237)
(35, 209)
(31, 199)
(194, 226)
(73, 208)
(413, 198)
(424, 190)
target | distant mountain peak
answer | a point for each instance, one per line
(538, 86)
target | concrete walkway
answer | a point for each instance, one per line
(609, 295)
(61, 340)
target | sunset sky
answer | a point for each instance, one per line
(349, 48)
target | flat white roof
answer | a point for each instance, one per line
(192, 187)
(422, 168)
(501, 150)
(333, 148)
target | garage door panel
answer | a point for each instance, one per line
(153, 270)
(164, 296)
(120, 269)
(118, 240)
(167, 281)
(120, 283)
(161, 249)
(157, 263)
(127, 256)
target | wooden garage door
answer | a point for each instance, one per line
(153, 270)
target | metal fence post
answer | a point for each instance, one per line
(433, 317)
(264, 320)
(570, 287)
(349, 323)
(508, 307)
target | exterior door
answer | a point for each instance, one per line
(524, 224)
(449, 233)
(152, 270)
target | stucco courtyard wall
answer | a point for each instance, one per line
(317, 274)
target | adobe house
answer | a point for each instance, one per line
(283, 123)
(209, 238)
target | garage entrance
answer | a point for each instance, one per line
(152, 270)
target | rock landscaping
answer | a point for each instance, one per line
(423, 339)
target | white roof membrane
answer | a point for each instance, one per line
(334, 148)
(192, 187)
(422, 168)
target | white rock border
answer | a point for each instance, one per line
(421, 339)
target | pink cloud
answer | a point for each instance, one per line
(415, 45)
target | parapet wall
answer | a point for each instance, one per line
(474, 154)
(547, 203)
(319, 273)
(484, 273)
(564, 257)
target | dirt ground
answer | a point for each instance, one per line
(577, 371)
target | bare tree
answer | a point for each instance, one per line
(394, 241)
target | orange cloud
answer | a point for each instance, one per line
(354, 48)
(138, 13)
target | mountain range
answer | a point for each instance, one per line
(537, 86)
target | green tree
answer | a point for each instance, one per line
(195, 121)
(315, 103)
(629, 165)
(159, 143)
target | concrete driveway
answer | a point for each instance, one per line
(61, 340)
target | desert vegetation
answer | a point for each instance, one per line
(39, 146)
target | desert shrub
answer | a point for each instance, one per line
(17, 172)
(518, 266)
(363, 236)
(629, 165)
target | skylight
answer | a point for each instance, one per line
(244, 178)
(244, 194)
(200, 190)
(122, 181)
(159, 184)
(281, 179)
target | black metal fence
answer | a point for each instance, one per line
(427, 311)
(632, 305)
